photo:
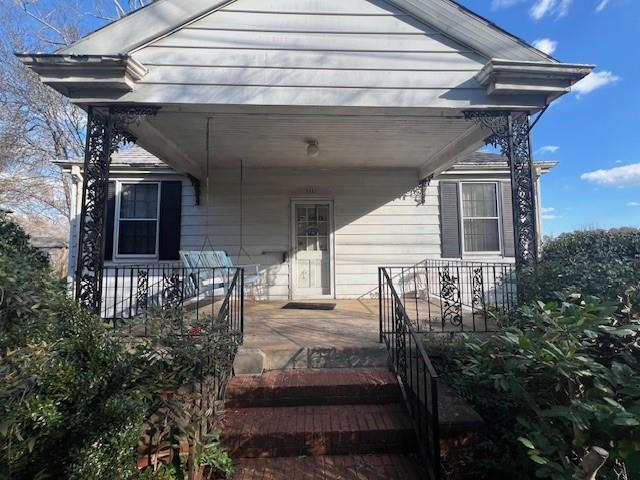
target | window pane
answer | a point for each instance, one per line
(479, 200)
(137, 237)
(139, 201)
(481, 236)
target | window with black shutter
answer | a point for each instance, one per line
(137, 215)
(143, 220)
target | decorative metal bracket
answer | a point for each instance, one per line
(107, 130)
(195, 183)
(419, 192)
(511, 132)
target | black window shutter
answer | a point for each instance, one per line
(450, 220)
(508, 238)
(170, 215)
(111, 216)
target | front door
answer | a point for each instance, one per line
(311, 272)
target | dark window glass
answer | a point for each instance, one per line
(138, 219)
(137, 237)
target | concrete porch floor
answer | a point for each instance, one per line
(353, 323)
(344, 337)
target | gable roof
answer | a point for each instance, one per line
(164, 16)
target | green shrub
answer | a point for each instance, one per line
(30, 294)
(562, 379)
(596, 262)
(74, 396)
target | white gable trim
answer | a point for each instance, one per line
(165, 16)
(142, 26)
(470, 29)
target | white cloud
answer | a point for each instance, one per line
(546, 45)
(633, 204)
(548, 214)
(594, 81)
(548, 149)
(626, 176)
(496, 4)
(542, 8)
(602, 5)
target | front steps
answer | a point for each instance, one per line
(340, 423)
(340, 467)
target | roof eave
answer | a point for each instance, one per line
(508, 77)
(72, 75)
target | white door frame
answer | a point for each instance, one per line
(293, 246)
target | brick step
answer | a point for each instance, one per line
(340, 386)
(317, 430)
(332, 467)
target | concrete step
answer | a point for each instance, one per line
(340, 386)
(317, 430)
(372, 356)
(333, 467)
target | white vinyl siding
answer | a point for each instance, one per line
(375, 222)
(289, 52)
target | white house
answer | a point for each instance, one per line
(309, 129)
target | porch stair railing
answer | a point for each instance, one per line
(453, 296)
(417, 376)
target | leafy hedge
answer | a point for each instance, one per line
(73, 396)
(562, 380)
(564, 375)
(594, 262)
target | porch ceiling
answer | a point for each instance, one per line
(190, 140)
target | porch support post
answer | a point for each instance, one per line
(511, 132)
(106, 131)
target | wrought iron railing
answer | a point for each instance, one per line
(132, 291)
(413, 367)
(231, 311)
(456, 296)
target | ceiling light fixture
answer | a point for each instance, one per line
(313, 149)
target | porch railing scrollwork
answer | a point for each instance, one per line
(414, 369)
(449, 296)
(132, 292)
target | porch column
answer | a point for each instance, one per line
(106, 131)
(511, 132)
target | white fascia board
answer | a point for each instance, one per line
(472, 30)
(141, 26)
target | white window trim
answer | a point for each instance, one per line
(116, 222)
(498, 190)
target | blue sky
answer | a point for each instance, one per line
(595, 135)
